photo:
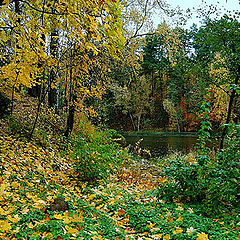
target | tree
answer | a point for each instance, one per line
(221, 37)
(89, 26)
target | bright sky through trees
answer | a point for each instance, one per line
(193, 5)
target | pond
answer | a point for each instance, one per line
(160, 144)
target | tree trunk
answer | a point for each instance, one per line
(230, 107)
(139, 120)
(70, 121)
(52, 94)
(71, 111)
(41, 98)
(132, 121)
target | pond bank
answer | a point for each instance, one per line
(159, 133)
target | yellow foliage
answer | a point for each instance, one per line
(84, 27)
(220, 100)
(202, 236)
(172, 112)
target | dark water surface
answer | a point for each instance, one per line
(163, 143)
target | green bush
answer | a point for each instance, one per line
(95, 156)
(223, 175)
(215, 184)
(183, 181)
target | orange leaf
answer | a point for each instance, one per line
(79, 227)
(47, 217)
(170, 219)
(120, 212)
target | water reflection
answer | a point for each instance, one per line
(163, 144)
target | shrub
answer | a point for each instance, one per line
(183, 181)
(215, 183)
(95, 155)
(223, 176)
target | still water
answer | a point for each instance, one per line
(164, 143)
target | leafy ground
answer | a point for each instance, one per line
(126, 207)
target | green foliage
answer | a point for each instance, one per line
(95, 155)
(204, 132)
(183, 181)
(220, 36)
(18, 127)
(222, 176)
(213, 183)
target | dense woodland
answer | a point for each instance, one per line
(76, 74)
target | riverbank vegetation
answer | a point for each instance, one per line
(72, 76)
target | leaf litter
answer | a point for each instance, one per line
(125, 207)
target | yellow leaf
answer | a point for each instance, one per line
(180, 218)
(6, 1)
(177, 230)
(157, 236)
(15, 184)
(98, 237)
(202, 236)
(30, 225)
(3, 187)
(58, 216)
(77, 218)
(71, 230)
(14, 219)
(91, 197)
(100, 206)
(67, 220)
(166, 237)
(5, 226)
(151, 225)
(3, 212)
(25, 210)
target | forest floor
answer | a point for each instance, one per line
(124, 207)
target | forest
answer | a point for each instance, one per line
(76, 79)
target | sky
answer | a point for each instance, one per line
(224, 5)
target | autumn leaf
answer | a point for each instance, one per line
(120, 212)
(13, 219)
(5, 226)
(71, 230)
(177, 230)
(30, 225)
(58, 216)
(167, 237)
(25, 210)
(202, 236)
(157, 236)
(180, 218)
(170, 219)
(47, 217)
